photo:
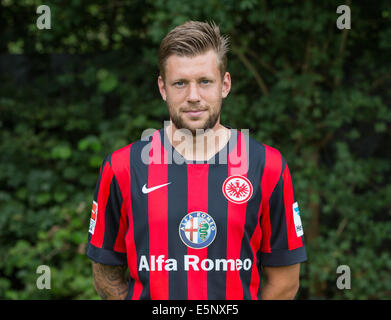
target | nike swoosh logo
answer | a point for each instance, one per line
(148, 190)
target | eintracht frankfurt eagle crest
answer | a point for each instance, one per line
(237, 189)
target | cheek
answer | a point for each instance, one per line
(213, 93)
(212, 97)
(174, 103)
(176, 97)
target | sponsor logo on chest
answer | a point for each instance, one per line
(197, 230)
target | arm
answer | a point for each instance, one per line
(109, 281)
(282, 282)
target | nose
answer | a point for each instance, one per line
(193, 94)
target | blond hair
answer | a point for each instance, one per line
(193, 38)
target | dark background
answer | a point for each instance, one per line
(75, 93)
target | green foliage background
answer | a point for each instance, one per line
(72, 94)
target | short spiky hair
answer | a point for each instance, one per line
(193, 38)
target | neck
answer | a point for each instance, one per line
(201, 146)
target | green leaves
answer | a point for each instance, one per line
(90, 143)
(62, 151)
(327, 110)
(107, 81)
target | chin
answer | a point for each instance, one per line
(200, 124)
(194, 129)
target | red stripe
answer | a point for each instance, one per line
(132, 258)
(120, 161)
(197, 201)
(103, 196)
(270, 177)
(158, 218)
(293, 240)
(237, 165)
(262, 233)
(255, 244)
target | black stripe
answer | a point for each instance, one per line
(177, 209)
(139, 176)
(131, 283)
(217, 209)
(256, 162)
(112, 215)
(279, 237)
(260, 275)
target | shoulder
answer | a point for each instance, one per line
(270, 157)
(262, 150)
(121, 159)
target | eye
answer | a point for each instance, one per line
(179, 84)
(205, 81)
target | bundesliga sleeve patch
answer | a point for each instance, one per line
(94, 214)
(297, 219)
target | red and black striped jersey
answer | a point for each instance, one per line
(195, 229)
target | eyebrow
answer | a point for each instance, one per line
(179, 80)
(185, 80)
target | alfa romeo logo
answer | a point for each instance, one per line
(197, 230)
(237, 189)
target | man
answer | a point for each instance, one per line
(197, 210)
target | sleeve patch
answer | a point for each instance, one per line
(297, 219)
(94, 214)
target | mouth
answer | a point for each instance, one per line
(195, 113)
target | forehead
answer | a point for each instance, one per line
(201, 65)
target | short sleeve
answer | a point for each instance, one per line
(106, 243)
(285, 228)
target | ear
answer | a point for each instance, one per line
(162, 89)
(226, 87)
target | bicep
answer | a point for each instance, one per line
(109, 280)
(283, 275)
(106, 272)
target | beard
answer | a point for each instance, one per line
(179, 122)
